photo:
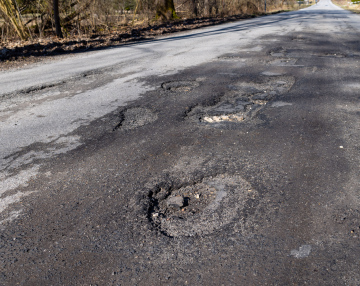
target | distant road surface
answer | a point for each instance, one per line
(227, 155)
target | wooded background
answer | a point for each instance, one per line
(29, 19)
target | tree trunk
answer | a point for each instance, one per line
(165, 9)
(57, 19)
(206, 8)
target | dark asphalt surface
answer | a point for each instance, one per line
(260, 150)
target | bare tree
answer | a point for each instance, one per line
(9, 8)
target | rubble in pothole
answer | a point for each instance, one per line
(200, 208)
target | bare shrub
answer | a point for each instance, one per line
(88, 17)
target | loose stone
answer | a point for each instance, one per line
(175, 202)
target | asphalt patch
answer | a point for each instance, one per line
(180, 85)
(136, 117)
(232, 58)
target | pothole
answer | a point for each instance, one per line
(271, 73)
(300, 39)
(228, 111)
(283, 62)
(200, 208)
(243, 102)
(232, 58)
(253, 49)
(279, 53)
(280, 104)
(333, 55)
(180, 85)
(136, 117)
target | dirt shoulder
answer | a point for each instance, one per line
(19, 54)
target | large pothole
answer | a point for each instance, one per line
(243, 101)
(200, 208)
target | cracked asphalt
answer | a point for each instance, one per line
(227, 155)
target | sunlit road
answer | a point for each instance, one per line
(227, 155)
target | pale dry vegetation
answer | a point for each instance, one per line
(353, 6)
(34, 19)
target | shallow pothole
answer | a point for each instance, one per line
(136, 117)
(180, 85)
(301, 38)
(278, 54)
(232, 58)
(283, 62)
(333, 55)
(200, 208)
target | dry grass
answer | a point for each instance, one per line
(348, 5)
(88, 17)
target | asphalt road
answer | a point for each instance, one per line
(227, 155)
